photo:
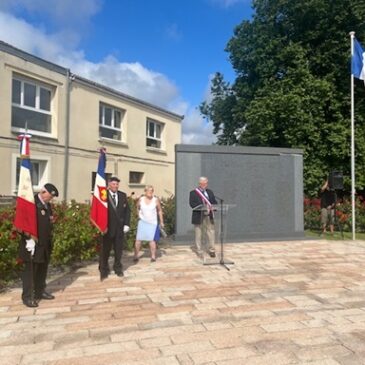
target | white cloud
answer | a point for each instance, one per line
(70, 19)
(196, 130)
(23, 35)
(62, 12)
(173, 32)
(228, 3)
(131, 78)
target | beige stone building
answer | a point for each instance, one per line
(69, 118)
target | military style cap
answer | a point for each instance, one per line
(114, 178)
(51, 189)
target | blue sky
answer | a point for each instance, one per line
(161, 51)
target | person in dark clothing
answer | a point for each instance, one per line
(328, 200)
(118, 225)
(36, 254)
(202, 199)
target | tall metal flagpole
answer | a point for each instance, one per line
(352, 35)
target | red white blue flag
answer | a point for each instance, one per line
(25, 219)
(358, 61)
(99, 204)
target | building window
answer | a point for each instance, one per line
(110, 122)
(38, 173)
(31, 105)
(136, 177)
(153, 133)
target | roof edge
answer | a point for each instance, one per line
(10, 49)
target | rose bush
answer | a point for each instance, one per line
(75, 239)
(312, 214)
(10, 265)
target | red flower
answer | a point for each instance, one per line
(13, 235)
(343, 218)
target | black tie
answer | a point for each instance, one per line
(113, 196)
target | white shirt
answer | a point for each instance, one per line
(115, 197)
(148, 212)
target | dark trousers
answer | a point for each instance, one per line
(108, 243)
(37, 281)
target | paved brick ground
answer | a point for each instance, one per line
(281, 303)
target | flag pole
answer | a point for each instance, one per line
(352, 35)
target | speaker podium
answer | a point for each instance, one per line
(220, 231)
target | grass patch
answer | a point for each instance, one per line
(336, 236)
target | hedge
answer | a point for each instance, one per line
(312, 214)
(75, 238)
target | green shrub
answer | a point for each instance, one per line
(131, 235)
(168, 208)
(312, 214)
(10, 265)
(75, 239)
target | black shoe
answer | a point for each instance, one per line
(103, 277)
(153, 260)
(29, 303)
(135, 259)
(45, 296)
(212, 254)
(120, 274)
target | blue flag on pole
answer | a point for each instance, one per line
(358, 61)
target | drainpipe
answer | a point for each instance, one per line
(69, 79)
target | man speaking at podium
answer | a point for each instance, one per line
(201, 200)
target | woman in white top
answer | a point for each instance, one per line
(149, 208)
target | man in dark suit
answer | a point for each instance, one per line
(202, 200)
(118, 225)
(36, 255)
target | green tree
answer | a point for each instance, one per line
(292, 86)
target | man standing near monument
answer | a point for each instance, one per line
(328, 201)
(36, 254)
(201, 200)
(118, 226)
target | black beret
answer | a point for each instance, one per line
(114, 178)
(51, 189)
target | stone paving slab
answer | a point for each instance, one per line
(297, 302)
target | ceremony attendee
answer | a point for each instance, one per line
(118, 226)
(36, 254)
(149, 223)
(203, 217)
(328, 200)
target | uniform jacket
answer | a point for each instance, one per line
(43, 246)
(195, 200)
(118, 216)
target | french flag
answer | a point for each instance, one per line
(358, 61)
(99, 204)
(25, 220)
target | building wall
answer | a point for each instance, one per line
(48, 148)
(130, 154)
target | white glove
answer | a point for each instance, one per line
(30, 246)
(126, 229)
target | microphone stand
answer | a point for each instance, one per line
(221, 261)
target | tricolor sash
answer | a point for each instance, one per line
(204, 199)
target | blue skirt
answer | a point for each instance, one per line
(147, 231)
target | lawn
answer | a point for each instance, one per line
(336, 235)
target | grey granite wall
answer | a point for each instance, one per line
(264, 184)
